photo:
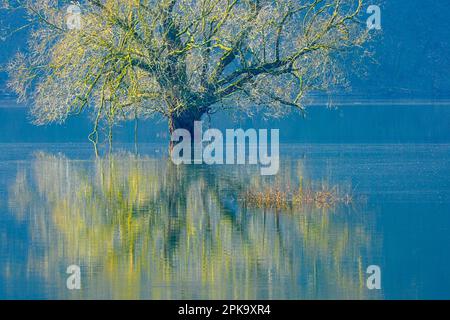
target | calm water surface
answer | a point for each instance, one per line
(140, 227)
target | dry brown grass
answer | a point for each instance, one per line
(322, 196)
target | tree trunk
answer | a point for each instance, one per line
(184, 120)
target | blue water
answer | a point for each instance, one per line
(140, 227)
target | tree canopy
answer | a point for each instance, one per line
(181, 58)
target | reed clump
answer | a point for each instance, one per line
(322, 196)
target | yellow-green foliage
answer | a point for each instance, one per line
(171, 57)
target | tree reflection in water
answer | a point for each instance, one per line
(144, 228)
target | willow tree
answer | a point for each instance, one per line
(181, 59)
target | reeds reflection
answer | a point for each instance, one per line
(144, 228)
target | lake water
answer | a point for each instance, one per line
(140, 227)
